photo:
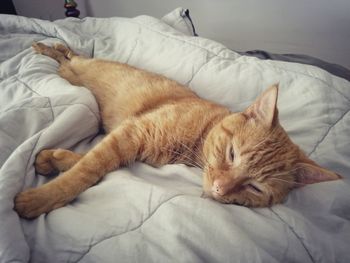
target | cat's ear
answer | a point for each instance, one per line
(310, 173)
(264, 108)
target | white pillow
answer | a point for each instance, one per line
(180, 20)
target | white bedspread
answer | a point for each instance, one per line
(143, 214)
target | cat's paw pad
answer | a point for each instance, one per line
(40, 47)
(32, 203)
(64, 50)
(60, 47)
(43, 162)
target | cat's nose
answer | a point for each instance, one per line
(222, 186)
(226, 184)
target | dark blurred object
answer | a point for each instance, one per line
(7, 7)
(70, 5)
(334, 69)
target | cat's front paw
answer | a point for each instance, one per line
(43, 162)
(51, 161)
(34, 202)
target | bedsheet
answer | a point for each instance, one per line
(146, 214)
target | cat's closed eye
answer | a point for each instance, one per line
(231, 154)
(253, 187)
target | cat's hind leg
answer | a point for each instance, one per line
(67, 52)
(50, 52)
(53, 160)
(59, 52)
(64, 56)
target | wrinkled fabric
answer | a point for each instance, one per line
(146, 214)
(332, 68)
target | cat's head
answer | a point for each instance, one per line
(250, 160)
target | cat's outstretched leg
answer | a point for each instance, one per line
(66, 58)
(67, 52)
(49, 161)
(50, 52)
(58, 52)
(119, 147)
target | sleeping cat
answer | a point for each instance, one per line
(247, 158)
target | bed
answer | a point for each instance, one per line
(145, 214)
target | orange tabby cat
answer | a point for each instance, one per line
(247, 157)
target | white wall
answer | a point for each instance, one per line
(315, 27)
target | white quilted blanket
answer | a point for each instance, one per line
(143, 214)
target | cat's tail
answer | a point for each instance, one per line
(58, 52)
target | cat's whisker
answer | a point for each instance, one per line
(283, 173)
(191, 151)
(191, 161)
(260, 143)
(196, 163)
(200, 161)
(188, 158)
(202, 151)
(286, 181)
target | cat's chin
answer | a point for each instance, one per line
(215, 196)
(233, 201)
